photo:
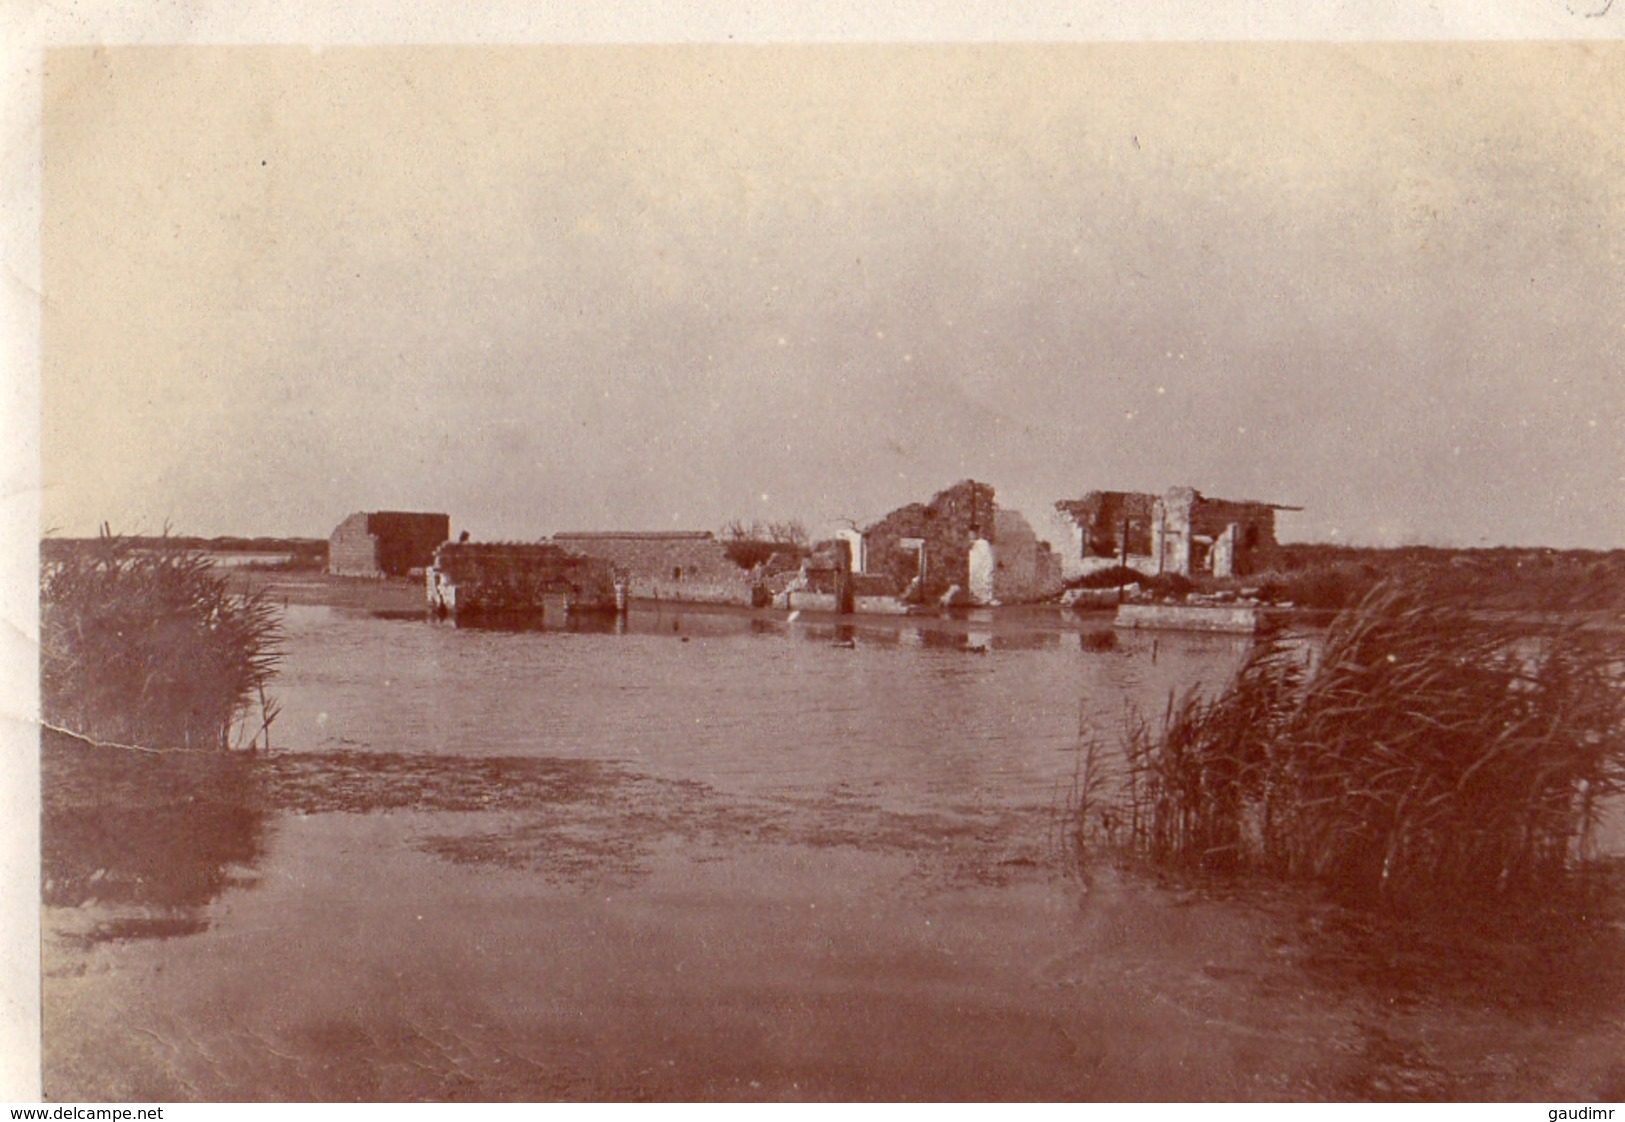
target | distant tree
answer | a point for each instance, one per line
(791, 532)
(751, 544)
(737, 530)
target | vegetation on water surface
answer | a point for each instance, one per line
(148, 646)
(1422, 759)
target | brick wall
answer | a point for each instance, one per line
(1193, 522)
(352, 551)
(1167, 533)
(1098, 522)
(1255, 528)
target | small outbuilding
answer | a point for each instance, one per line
(386, 543)
(471, 581)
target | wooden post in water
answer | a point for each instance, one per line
(1122, 563)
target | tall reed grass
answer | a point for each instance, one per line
(148, 646)
(1421, 758)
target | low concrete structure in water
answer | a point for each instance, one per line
(499, 580)
(1238, 619)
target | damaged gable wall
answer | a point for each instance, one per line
(1025, 568)
(948, 524)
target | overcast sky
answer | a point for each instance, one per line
(661, 287)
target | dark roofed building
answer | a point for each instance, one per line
(386, 543)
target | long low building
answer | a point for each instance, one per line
(690, 565)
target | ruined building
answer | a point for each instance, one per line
(1180, 531)
(385, 543)
(961, 545)
(926, 547)
(690, 565)
(471, 581)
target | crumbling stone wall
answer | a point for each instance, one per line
(351, 550)
(1221, 536)
(686, 565)
(1252, 526)
(948, 524)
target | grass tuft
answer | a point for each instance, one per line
(1422, 759)
(146, 645)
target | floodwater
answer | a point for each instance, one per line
(714, 856)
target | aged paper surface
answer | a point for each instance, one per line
(96, 426)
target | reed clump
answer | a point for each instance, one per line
(147, 646)
(1422, 758)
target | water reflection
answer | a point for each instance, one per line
(150, 836)
(978, 632)
(915, 709)
(583, 623)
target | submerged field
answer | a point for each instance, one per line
(721, 857)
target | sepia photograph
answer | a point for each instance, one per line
(1070, 571)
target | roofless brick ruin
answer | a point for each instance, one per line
(1180, 531)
